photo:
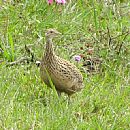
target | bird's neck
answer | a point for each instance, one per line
(49, 51)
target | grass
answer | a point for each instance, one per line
(104, 104)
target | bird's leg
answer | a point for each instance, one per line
(59, 93)
(69, 99)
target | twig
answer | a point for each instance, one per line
(110, 39)
(122, 43)
(125, 33)
(23, 59)
(29, 51)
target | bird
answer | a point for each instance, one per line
(65, 76)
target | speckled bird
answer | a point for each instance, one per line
(65, 76)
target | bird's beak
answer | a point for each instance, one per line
(58, 33)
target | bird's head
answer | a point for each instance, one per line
(51, 33)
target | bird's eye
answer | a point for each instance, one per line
(51, 32)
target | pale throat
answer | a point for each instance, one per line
(49, 47)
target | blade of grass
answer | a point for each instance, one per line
(10, 39)
(95, 16)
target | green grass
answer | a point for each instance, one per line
(104, 104)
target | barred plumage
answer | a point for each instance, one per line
(64, 75)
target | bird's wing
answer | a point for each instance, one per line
(68, 71)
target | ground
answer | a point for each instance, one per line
(90, 29)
